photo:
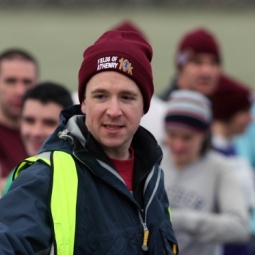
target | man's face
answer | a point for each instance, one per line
(200, 74)
(113, 106)
(239, 122)
(184, 145)
(38, 121)
(16, 77)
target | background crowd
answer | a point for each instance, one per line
(203, 120)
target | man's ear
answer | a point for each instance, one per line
(83, 106)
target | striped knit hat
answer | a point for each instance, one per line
(188, 110)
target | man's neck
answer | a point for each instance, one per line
(179, 82)
(220, 129)
(117, 154)
(9, 122)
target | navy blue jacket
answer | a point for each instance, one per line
(109, 218)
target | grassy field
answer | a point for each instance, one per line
(58, 38)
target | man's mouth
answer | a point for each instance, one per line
(110, 127)
(204, 81)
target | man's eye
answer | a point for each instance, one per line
(127, 97)
(50, 123)
(27, 82)
(99, 96)
(11, 81)
(28, 120)
(197, 62)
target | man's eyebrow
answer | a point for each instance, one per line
(49, 120)
(25, 117)
(126, 92)
(129, 92)
(98, 91)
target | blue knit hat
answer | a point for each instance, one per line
(188, 110)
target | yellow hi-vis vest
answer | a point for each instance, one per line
(63, 197)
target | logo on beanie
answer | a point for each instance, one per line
(126, 66)
(107, 62)
(182, 58)
(111, 62)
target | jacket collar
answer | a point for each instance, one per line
(72, 121)
(75, 138)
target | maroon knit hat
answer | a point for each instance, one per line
(197, 41)
(125, 52)
(229, 98)
(128, 25)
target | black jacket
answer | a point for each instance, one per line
(110, 219)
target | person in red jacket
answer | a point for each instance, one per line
(18, 73)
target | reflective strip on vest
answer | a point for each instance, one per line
(28, 162)
(63, 198)
(170, 213)
(63, 201)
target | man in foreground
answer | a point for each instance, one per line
(100, 171)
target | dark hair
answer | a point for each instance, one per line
(12, 54)
(46, 92)
(207, 143)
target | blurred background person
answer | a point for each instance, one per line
(245, 147)
(231, 108)
(40, 116)
(244, 143)
(18, 73)
(198, 63)
(200, 183)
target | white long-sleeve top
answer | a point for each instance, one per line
(207, 205)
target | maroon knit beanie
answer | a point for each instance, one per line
(229, 98)
(197, 41)
(128, 25)
(125, 52)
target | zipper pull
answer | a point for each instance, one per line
(145, 238)
(174, 249)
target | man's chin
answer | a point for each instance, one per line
(33, 150)
(206, 90)
(241, 131)
(14, 115)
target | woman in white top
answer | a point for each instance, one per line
(204, 194)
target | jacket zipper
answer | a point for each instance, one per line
(146, 231)
(174, 249)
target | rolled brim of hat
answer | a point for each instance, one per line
(125, 52)
(185, 123)
(188, 110)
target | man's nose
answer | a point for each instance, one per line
(37, 129)
(207, 68)
(178, 145)
(114, 108)
(20, 89)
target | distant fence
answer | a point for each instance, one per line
(86, 3)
